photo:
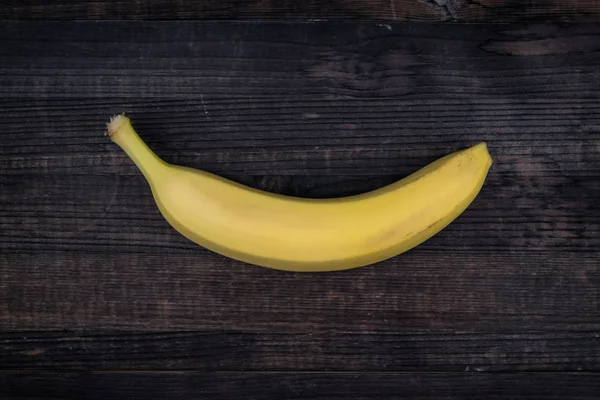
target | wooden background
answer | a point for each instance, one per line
(495, 11)
(101, 299)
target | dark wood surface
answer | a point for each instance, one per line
(394, 10)
(288, 385)
(100, 298)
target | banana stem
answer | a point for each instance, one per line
(120, 131)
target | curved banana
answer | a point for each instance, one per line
(306, 235)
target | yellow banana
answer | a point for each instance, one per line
(307, 235)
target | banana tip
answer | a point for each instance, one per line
(483, 148)
(481, 145)
(115, 124)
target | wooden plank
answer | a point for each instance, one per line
(553, 140)
(334, 350)
(231, 386)
(207, 61)
(442, 289)
(395, 10)
(118, 213)
(302, 136)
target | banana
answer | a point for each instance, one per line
(307, 235)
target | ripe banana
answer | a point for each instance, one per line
(308, 235)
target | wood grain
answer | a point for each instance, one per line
(68, 194)
(477, 65)
(393, 10)
(192, 289)
(93, 278)
(312, 351)
(325, 386)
